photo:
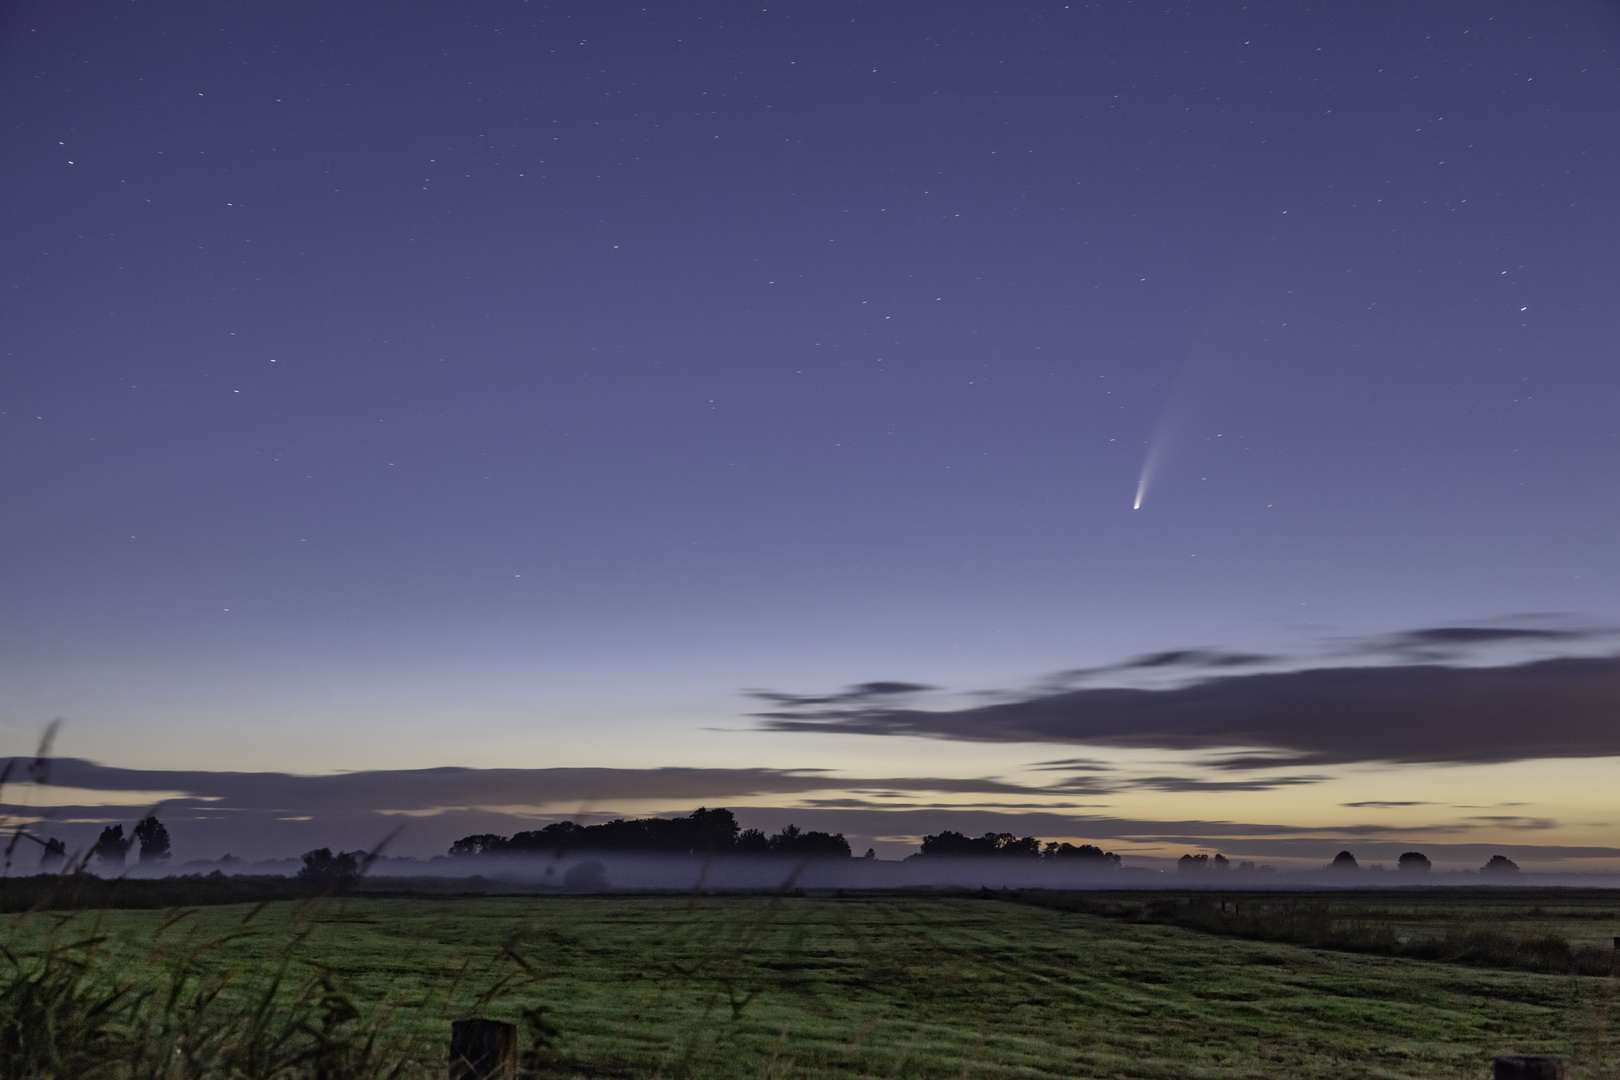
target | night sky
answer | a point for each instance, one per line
(563, 386)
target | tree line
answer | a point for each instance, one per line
(703, 832)
(949, 844)
(1411, 863)
(716, 832)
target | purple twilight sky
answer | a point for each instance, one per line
(514, 384)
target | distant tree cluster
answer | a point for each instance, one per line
(112, 846)
(325, 870)
(1193, 864)
(949, 844)
(703, 832)
(790, 841)
(1411, 863)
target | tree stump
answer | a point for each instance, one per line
(483, 1050)
(1523, 1067)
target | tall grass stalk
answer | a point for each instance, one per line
(77, 1002)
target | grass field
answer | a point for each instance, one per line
(1553, 931)
(892, 986)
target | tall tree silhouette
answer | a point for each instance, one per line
(111, 848)
(154, 838)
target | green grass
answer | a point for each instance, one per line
(1562, 931)
(887, 986)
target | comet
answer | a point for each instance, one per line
(1171, 421)
(1150, 463)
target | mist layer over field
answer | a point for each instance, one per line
(629, 872)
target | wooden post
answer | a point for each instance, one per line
(1522, 1067)
(483, 1050)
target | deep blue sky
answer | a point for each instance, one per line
(429, 383)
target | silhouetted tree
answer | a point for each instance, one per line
(948, 843)
(154, 840)
(1344, 862)
(1500, 866)
(955, 845)
(52, 858)
(1084, 852)
(1414, 862)
(814, 845)
(1192, 864)
(328, 871)
(871, 853)
(752, 842)
(1221, 862)
(479, 844)
(703, 832)
(1019, 848)
(111, 848)
(707, 831)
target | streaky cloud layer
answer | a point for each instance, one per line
(1413, 712)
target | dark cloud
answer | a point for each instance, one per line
(1249, 762)
(411, 790)
(1386, 803)
(1195, 658)
(1515, 821)
(1192, 783)
(869, 804)
(856, 695)
(1431, 713)
(1168, 660)
(1449, 642)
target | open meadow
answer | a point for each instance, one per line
(833, 986)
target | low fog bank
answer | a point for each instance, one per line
(601, 872)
